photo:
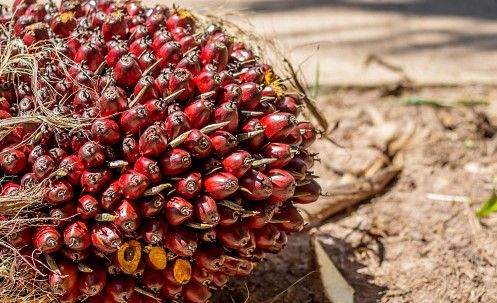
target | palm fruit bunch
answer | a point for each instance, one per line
(146, 156)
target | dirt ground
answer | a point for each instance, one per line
(406, 244)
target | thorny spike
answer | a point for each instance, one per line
(262, 162)
(248, 113)
(156, 189)
(213, 127)
(173, 96)
(117, 164)
(276, 221)
(230, 205)
(151, 67)
(303, 182)
(139, 96)
(207, 95)
(52, 264)
(180, 139)
(100, 68)
(105, 217)
(268, 98)
(146, 293)
(249, 213)
(197, 225)
(84, 268)
(245, 136)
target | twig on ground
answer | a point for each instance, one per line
(292, 285)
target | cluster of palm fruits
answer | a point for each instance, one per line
(187, 165)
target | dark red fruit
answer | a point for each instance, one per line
(177, 210)
(120, 288)
(175, 162)
(77, 236)
(283, 185)
(189, 186)
(198, 144)
(205, 210)
(220, 185)
(47, 239)
(234, 236)
(133, 184)
(91, 154)
(64, 282)
(153, 141)
(13, 161)
(87, 207)
(181, 242)
(128, 216)
(307, 193)
(105, 237)
(278, 125)
(256, 186)
(59, 192)
(127, 72)
(93, 283)
(154, 230)
(106, 131)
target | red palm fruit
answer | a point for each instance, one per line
(219, 279)
(181, 241)
(205, 210)
(238, 163)
(227, 216)
(110, 196)
(151, 206)
(240, 268)
(160, 38)
(307, 157)
(71, 297)
(161, 82)
(196, 293)
(37, 10)
(135, 119)
(43, 166)
(251, 95)
(64, 282)
(29, 180)
(146, 62)
(149, 168)
(308, 133)
(87, 207)
(60, 215)
(57, 153)
(210, 165)
(127, 72)
(75, 255)
(139, 46)
(10, 189)
(47, 239)
(105, 237)
(20, 238)
(190, 62)
(307, 193)
(207, 81)
(220, 185)
(207, 236)
(90, 54)
(256, 185)
(266, 236)
(294, 138)
(120, 288)
(63, 24)
(181, 79)
(223, 142)
(278, 125)
(115, 52)
(198, 144)
(169, 53)
(189, 186)
(152, 280)
(234, 236)
(22, 23)
(265, 214)
(176, 124)
(133, 184)
(94, 181)
(201, 276)
(91, 154)
(177, 210)
(153, 141)
(130, 149)
(128, 216)
(157, 109)
(231, 93)
(79, 138)
(115, 25)
(290, 104)
(253, 74)
(227, 112)
(175, 162)
(35, 33)
(13, 162)
(256, 141)
(181, 18)
(291, 218)
(154, 230)
(248, 249)
(92, 283)
(154, 22)
(210, 258)
(77, 236)
(215, 53)
(199, 113)
(279, 244)
(145, 84)
(280, 151)
(112, 101)
(172, 291)
(179, 33)
(106, 131)
(134, 9)
(283, 185)
(297, 168)
(59, 192)
(188, 43)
